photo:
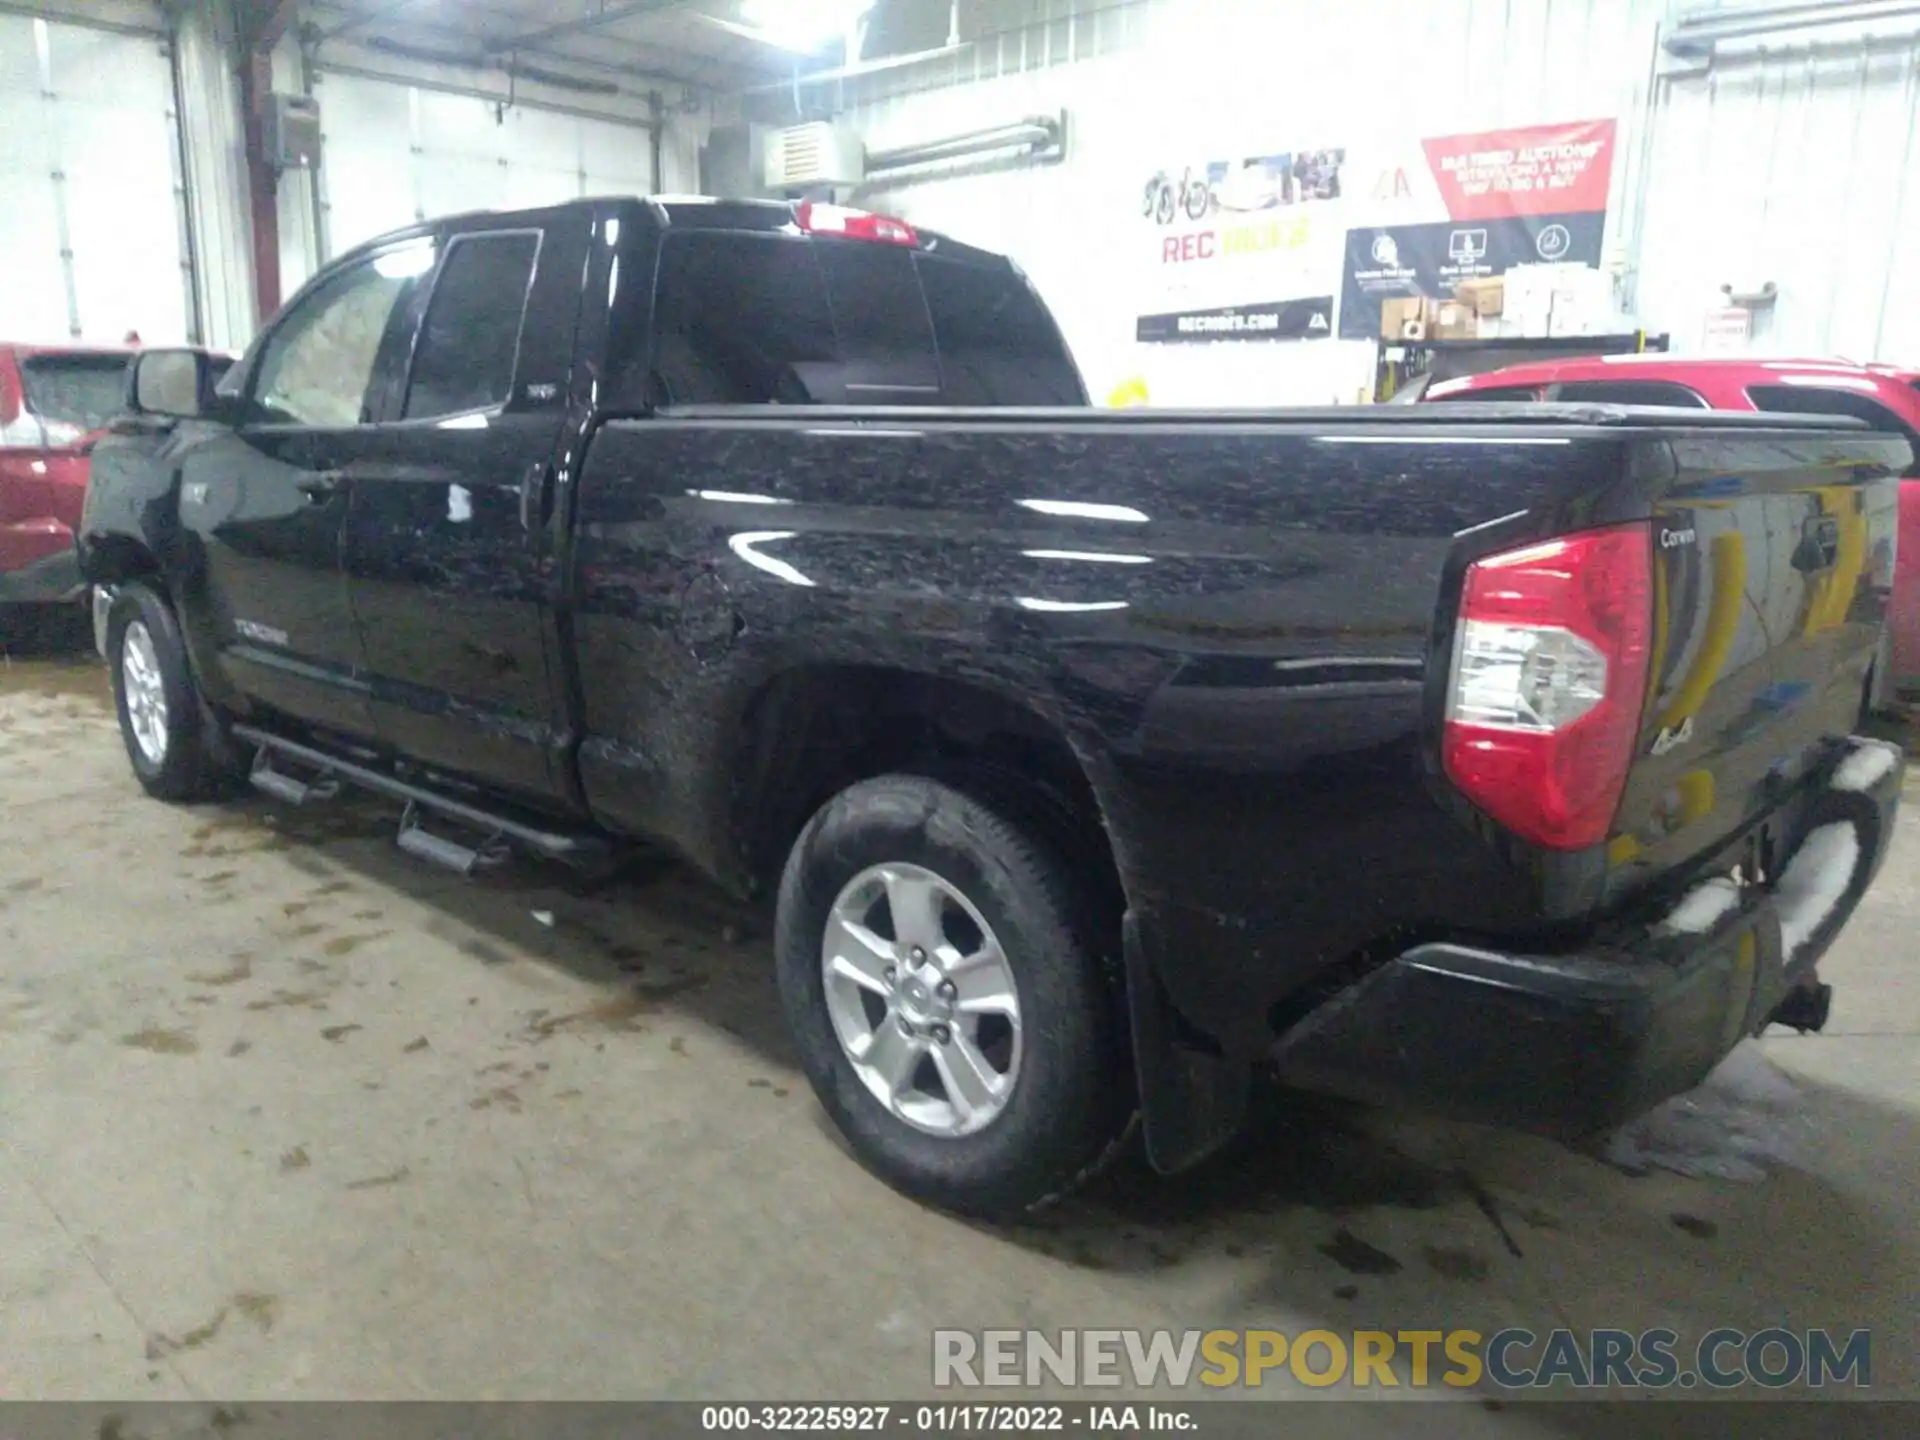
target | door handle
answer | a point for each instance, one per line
(533, 497)
(321, 483)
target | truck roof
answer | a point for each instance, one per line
(687, 212)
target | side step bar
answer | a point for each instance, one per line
(570, 848)
(290, 788)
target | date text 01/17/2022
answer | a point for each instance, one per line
(943, 1419)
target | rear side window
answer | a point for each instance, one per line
(741, 320)
(465, 355)
(770, 320)
(880, 318)
(1500, 394)
(998, 345)
(1631, 392)
(1819, 400)
(82, 391)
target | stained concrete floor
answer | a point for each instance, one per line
(287, 1114)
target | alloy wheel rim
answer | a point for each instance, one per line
(922, 999)
(145, 692)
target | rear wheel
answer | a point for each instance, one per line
(178, 747)
(947, 1011)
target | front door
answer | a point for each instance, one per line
(447, 556)
(267, 497)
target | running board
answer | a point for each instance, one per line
(416, 839)
(573, 848)
(290, 788)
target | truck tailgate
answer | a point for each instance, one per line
(1773, 561)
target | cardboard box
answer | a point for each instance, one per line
(1406, 317)
(1453, 320)
(1485, 295)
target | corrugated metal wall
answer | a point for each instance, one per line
(1797, 165)
(1157, 80)
(1794, 165)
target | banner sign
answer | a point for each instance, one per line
(1406, 260)
(1480, 205)
(1545, 170)
(1230, 246)
(1309, 319)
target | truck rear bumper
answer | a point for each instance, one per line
(1571, 1044)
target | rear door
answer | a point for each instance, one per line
(448, 557)
(267, 497)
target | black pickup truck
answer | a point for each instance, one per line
(1495, 760)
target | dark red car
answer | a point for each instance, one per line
(53, 403)
(1885, 396)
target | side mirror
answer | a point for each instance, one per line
(175, 384)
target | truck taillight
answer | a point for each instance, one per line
(820, 219)
(1549, 678)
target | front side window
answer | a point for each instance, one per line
(1493, 394)
(1631, 392)
(318, 366)
(464, 358)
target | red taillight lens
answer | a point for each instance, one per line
(1549, 677)
(819, 219)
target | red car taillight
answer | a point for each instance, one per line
(1549, 678)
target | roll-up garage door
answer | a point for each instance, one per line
(1798, 165)
(395, 154)
(91, 233)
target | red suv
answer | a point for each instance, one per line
(53, 403)
(1886, 397)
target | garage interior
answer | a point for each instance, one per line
(289, 1115)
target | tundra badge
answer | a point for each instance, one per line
(265, 634)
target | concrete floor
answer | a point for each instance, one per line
(287, 1114)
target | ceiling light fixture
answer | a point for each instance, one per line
(806, 26)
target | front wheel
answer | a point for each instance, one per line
(175, 742)
(947, 1011)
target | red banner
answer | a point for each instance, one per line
(1540, 170)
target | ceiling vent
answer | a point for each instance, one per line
(803, 156)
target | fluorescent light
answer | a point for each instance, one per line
(735, 497)
(1068, 607)
(744, 545)
(1083, 510)
(1092, 557)
(805, 26)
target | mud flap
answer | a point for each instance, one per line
(1191, 1102)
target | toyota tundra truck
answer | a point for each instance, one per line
(1494, 760)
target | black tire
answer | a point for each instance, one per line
(199, 760)
(1068, 1111)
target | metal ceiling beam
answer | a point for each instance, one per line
(607, 15)
(263, 22)
(370, 16)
